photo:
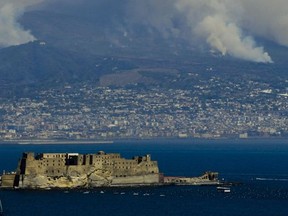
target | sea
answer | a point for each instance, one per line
(260, 168)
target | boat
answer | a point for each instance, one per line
(224, 189)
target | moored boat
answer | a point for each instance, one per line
(224, 189)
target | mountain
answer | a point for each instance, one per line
(90, 47)
(37, 64)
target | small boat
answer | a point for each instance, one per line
(135, 194)
(224, 189)
(86, 192)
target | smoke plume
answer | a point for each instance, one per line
(222, 24)
(230, 27)
(267, 19)
(11, 32)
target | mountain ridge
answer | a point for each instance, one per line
(72, 49)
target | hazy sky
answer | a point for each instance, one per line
(227, 26)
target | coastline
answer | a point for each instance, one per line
(144, 140)
(55, 142)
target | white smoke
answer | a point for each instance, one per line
(220, 23)
(219, 26)
(267, 18)
(227, 26)
(11, 32)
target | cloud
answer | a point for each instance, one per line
(11, 32)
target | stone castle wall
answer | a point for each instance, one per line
(7, 180)
(90, 170)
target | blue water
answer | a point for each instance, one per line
(260, 165)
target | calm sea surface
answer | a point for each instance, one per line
(262, 167)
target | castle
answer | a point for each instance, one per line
(73, 170)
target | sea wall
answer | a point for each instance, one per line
(149, 179)
(8, 180)
(208, 178)
(84, 181)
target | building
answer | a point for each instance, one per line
(72, 170)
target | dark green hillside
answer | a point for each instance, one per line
(33, 65)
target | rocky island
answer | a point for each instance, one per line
(74, 170)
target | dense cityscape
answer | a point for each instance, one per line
(214, 108)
